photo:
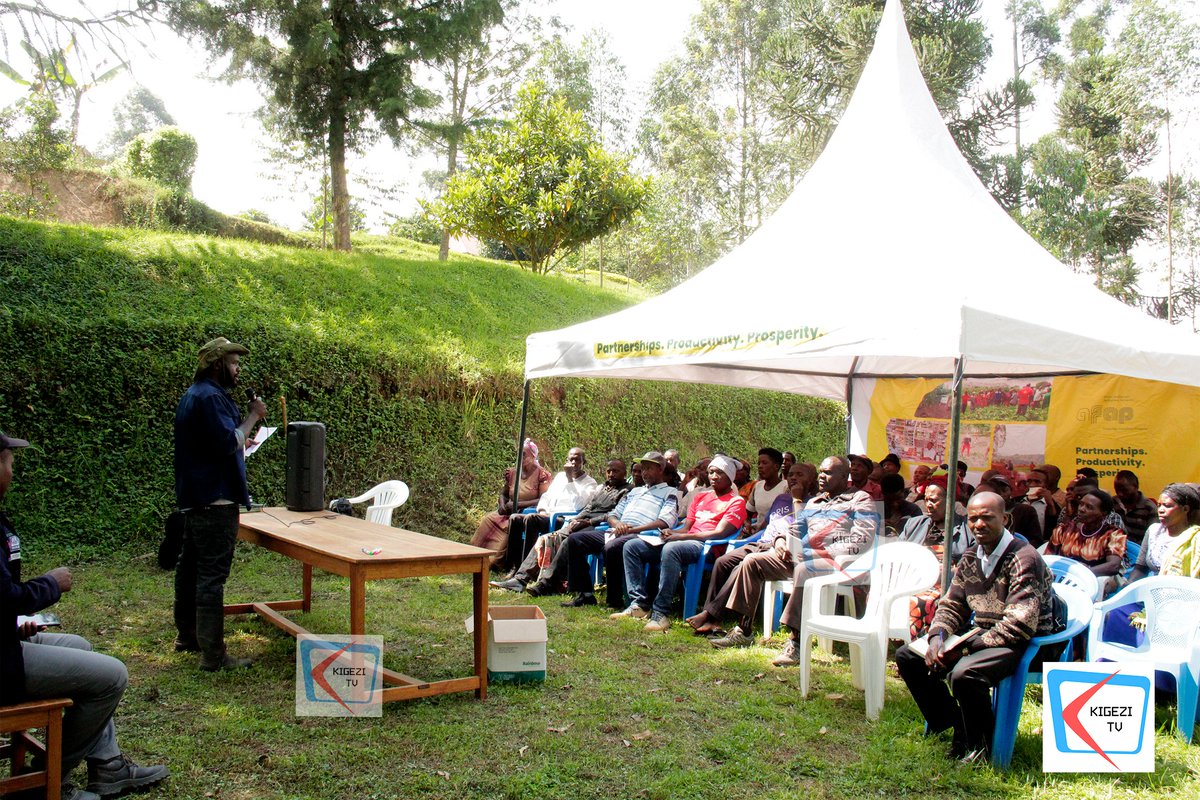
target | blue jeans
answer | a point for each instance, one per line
(674, 558)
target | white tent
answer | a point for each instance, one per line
(890, 258)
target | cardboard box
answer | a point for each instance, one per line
(516, 644)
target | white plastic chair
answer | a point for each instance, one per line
(773, 592)
(898, 571)
(386, 496)
(1171, 642)
(1074, 573)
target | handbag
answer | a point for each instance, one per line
(172, 543)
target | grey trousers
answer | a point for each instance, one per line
(63, 665)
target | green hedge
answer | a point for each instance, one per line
(414, 367)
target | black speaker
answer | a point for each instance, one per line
(305, 466)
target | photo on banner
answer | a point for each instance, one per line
(1106, 422)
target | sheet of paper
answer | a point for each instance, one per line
(651, 539)
(261, 436)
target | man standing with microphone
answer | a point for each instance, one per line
(210, 484)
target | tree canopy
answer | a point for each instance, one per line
(333, 67)
(541, 184)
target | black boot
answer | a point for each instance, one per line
(210, 632)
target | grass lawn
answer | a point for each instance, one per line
(623, 714)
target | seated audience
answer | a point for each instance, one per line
(672, 458)
(1091, 539)
(545, 563)
(1054, 476)
(920, 477)
(770, 485)
(804, 475)
(839, 521)
(896, 509)
(719, 586)
(568, 492)
(789, 458)
(1181, 510)
(890, 465)
(493, 528)
(1007, 587)
(715, 514)
(37, 666)
(861, 468)
(1022, 519)
(653, 506)
(928, 529)
(1136, 510)
(1040, 497)
(694, 482)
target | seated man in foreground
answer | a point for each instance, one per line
(1006, 585)
(645, 508)
(715, 514)
(37, 666)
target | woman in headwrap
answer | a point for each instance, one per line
(535, 480)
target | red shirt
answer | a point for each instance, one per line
(708, 511)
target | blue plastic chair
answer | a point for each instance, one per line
(1009, 694)
(694, 576)
(1132, 551)
(1172, 637)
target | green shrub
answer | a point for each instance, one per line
(415, 371)
(31, 144)
(167, 155)
(419, 227)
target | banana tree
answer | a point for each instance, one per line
(52, 77)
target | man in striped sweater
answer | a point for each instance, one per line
(1006, 585)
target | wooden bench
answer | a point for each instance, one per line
(16, 721)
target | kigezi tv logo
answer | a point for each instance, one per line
(339, 676)
(1098, 717)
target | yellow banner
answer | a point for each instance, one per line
(1105, 422)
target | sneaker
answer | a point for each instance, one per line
(633, 612)
(119, 775)
(512, 585)
(789, 656)
(581, 601)
(735, 638)
(658, 622)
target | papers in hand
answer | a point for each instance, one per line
(41, 620)
(261, 436)
(953, 641)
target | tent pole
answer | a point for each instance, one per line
(952, 475)
(850, 402)
(516, 487)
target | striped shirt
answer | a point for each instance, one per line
(645, 504)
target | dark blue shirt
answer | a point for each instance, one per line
(17, 598)
(210, 462)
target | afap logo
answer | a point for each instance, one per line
(339, 676)
(1098, 717)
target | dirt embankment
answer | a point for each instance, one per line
(85, 198)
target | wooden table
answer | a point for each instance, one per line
(336, 543)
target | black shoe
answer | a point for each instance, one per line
(120, 775)
(538, 589)
(581, 601)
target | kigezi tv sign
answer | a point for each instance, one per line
(1098, 717)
